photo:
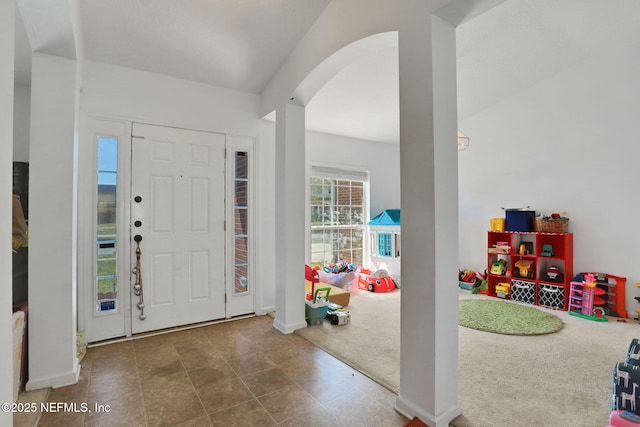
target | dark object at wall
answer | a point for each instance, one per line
(21, 185)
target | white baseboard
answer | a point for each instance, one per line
(410, 410)
(55, 381)
(288, 328)
(265, 310)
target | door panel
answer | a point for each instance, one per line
(160, 281)
(179, 176)
(162, 204)
(198, 275)
(198, 205)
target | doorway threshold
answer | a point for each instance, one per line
(168, 331)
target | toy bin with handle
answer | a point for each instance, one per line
(316, 309)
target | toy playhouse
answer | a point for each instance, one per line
(384, 243)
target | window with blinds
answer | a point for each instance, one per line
(338, 211)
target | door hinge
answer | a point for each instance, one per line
(224, 225)
(225, 298)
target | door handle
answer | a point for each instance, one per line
(137, 287)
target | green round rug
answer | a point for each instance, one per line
(502, 317)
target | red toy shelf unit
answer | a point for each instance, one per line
(534, 268)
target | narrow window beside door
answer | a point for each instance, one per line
(106, 286)
(241, 220)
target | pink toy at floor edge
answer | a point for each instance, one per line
(623, 419)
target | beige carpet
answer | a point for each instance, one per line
(561, 379)
(371, 343)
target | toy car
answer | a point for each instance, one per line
(503, 290)
(553, 274)
(524, 268)
(499, 267)
(378, 281)
(526, 248)
(339, 317)
(547, 250)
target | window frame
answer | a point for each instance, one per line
(397, 244)
(246, 234)
(117, 297)
(334, 241)
(385, 244)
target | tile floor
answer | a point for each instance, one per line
(241, 373)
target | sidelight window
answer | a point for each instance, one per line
(241, 222)
(106, 286)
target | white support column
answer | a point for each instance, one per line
(290, 221)
(429, 192)
(52, 224)
(7, 37)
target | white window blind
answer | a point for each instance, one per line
(339, 173)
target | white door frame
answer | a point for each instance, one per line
(121, 128)
(102, 326)
(243, 303)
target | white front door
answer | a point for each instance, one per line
(178, 212)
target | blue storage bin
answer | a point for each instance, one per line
(519, 219)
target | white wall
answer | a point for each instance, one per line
(141, 96)
(568, 143)
(132, 95)
(7, 25)
(52, 225)
(268, 266)
(382, 161)
(21, 122)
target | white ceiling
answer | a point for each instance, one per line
(235, 44)
(241, 44)
(506, 50)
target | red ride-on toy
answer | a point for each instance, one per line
(378, 281)
(312, 276)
